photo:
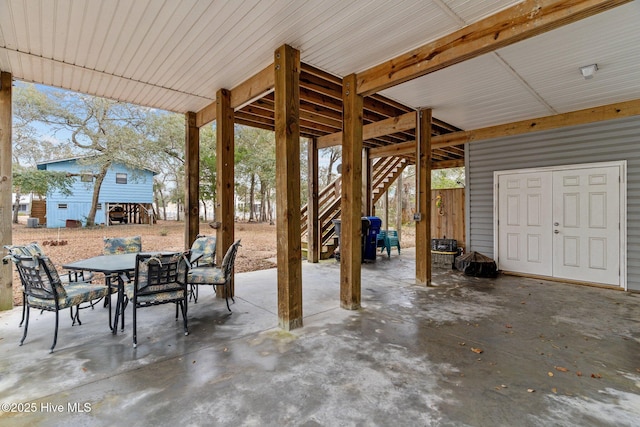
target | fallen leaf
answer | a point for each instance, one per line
(578, 373)
(561, 369)
(193, 361)
(476, 350)
(508, 326)
(503, 386)
(550, 373)
(555, 390)
(596, 376)
(523, 302)
(530, 390)
(462, 343)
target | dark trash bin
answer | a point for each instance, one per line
(370, 237)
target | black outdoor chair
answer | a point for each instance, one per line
(202, 254)
(43, 290)
(34, 249)
(214, 276)
(158, 279)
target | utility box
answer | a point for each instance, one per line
(32, 222)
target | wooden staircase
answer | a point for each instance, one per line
(384, 173)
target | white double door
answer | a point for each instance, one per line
(562, 223)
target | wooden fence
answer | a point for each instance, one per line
(447, 215)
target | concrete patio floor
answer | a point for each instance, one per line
(466, 352)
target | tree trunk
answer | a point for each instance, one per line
(270, 209)
(91, 217)
(204, 209)
(252, 189)
(263, 198)
(16, 207)
(164, 206)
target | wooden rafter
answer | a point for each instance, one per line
(580, 117)
(519, 22)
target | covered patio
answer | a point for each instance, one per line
(467, 351)
(493, 85)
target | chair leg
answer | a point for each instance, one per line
(183, 306)
(226, 295)
(55, 334)
(26, 326)
(135, 329)
(24, 307)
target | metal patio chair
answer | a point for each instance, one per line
(43, 290)
(216, 276)
(202, 254)
(158, 279)
(34, 249)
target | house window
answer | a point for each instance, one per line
(62, 206)
(99, 206)
(121, 178)
(86, 177)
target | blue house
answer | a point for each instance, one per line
(126, 195)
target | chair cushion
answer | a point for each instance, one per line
(153, 298)
(122, 245)
(76, 293)
(206, 276)
(203, 250)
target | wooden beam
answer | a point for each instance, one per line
(516, 23)
(367, 207)
(399, 194)
(6, 286)
(253, 88)
(287, 112)
(401, 149)
(313, 225)
(447, 164)
(423, 190)
(206, 115)
(192, 180)
(350, 250)
(373, 130)
(225, 168)
(580, 117)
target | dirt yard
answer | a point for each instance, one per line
(258, 249)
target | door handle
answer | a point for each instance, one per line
(556, 231)
(555, 224)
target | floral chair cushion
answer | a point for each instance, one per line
(122, 245)
(74, 294)
(203, 251)
(206, 276)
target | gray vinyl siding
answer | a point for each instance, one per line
(613, 140)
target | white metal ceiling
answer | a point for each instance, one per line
(175, 54)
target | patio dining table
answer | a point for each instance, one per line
(118, 265)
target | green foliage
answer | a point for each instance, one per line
(41, 182)
(447, 178)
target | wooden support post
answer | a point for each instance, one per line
(6, 287)
(423, 190)
(225, 166)
(399, 192)
(287, 118)
(385, 217)
(192, 177)
(367, 207)
(350, 246)
(314, 238)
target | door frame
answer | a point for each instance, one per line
(621, 164)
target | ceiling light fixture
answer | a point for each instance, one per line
(588, 71)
